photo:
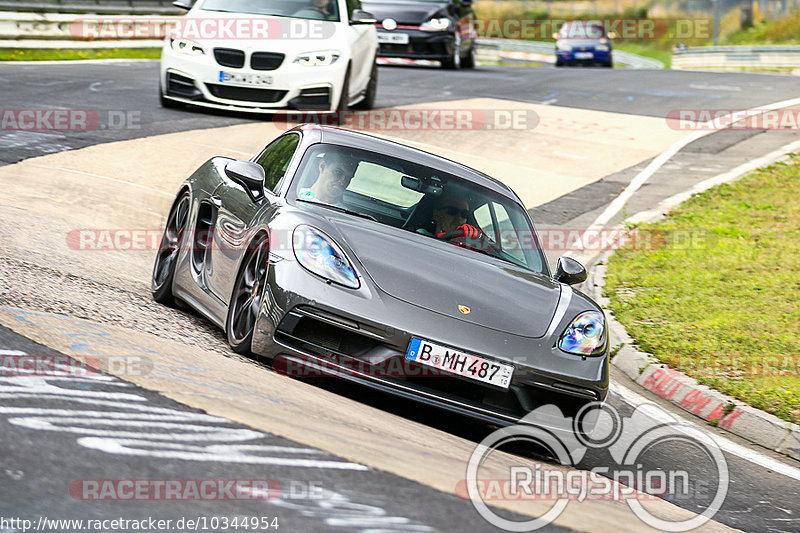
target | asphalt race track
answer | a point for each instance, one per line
(173, 403)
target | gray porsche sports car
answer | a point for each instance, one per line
(328, 253)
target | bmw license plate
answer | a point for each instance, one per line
(244, 79)
(392, 38)
(584, 55)
(460, 363)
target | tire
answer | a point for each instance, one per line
(168, 251)
(372, 89)
(454, 62)
(343, 104)
(246, 297)
(469, 61)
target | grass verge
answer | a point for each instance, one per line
(61, 54)
(718, 298)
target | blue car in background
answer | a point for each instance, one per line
(583, 42)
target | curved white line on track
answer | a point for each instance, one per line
(619, 202)
(634, 399)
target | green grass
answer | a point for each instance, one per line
(646, 50)
(717, 294)
(59, 54)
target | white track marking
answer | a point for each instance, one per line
(634, 399)
(619, 202)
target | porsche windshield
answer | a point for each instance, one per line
(305, 9)
(418, 199)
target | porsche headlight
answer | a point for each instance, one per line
(435, 24)
(586, 335)
(319, 254)
(322, 58)
(184, 46)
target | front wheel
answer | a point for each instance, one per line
(470, 61)
(454, 61)
(168, 250)
(372, 90)
(246, 297)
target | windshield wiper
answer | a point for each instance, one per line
(339, 209)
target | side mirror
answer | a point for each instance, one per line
(183, 4)
(362, 17)
(569, 271)
(249, 174)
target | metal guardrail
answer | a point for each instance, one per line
(762, 57)
(548, 49)
(162, 7)
(63, 27)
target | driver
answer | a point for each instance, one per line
(319, 9)
(449, 215)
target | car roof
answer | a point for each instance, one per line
(364, 141)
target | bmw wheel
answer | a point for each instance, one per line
(372, 89)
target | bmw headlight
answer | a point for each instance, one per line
(564, 47)
(438, 24)
(586, 335)
(322, 58)
(184, 46)
(601, 47)
(319, 254)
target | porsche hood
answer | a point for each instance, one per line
(465, 286)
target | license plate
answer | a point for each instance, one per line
(459, 363)
(393, 38)
(244, 79)
(584, 55)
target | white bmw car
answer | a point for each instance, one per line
(271, 56)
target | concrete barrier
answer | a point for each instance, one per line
(776, 58)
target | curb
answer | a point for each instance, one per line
(747, 422)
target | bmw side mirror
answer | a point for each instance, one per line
(569, 271)
(362, 17)
(183, 4)
(249, 174)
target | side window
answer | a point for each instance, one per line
(503, 234)
(352, 5)
(276, 157)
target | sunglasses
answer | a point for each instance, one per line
(453, 211)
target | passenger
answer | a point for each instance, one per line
(335, 172)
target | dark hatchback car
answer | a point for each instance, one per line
(583, 42)
(439, 30)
